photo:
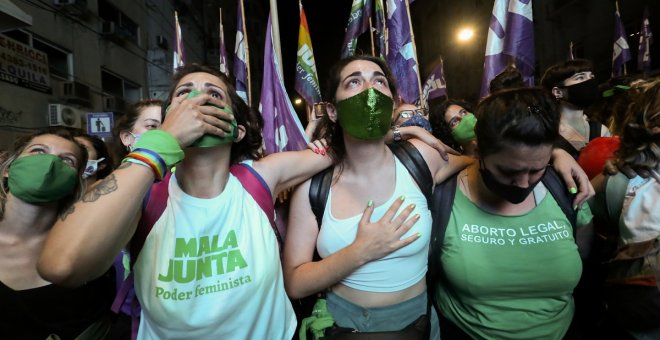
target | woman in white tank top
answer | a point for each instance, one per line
(376, 227)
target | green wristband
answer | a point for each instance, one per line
(162, 143)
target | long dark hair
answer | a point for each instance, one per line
(640, 147)
(329, 130)
(249, 146)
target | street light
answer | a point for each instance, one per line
(297, 101)
(465, 34)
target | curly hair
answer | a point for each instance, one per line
(441, 129)
(331, 131)
(249, 147)
(18, 148)
(640, 146)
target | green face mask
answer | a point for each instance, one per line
(464, 131)
(366, 115)
(41, 178)
(208, 141)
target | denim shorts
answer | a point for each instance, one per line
(389, 318)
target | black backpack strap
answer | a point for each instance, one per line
(319, 189)
(442, 202)
(412, 160)
(416, 166)
(557, 188)
(594, 129)
(565, 145)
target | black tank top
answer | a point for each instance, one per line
(39, 312)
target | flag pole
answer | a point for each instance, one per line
(247, 54)
(414, 46)
(371, 33)
(276, 34)
(625, 69)
(222, 37)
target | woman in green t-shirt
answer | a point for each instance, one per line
(509, 258)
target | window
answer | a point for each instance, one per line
(125, 27)
(120, 87)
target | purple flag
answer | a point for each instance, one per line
(510, 40)
(241, 57)
(621, 52)
(435, 85)
(223, 49)
(645, 41)
(401, 55)
(358, 23)
(282, 129)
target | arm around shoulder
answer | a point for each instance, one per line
(83, 243)
(284, 170)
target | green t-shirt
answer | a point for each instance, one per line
(509, 277)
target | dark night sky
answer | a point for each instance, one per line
(435, 23)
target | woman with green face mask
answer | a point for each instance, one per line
(453, 123)
(209, 263)
(375, 231)
(42, 176)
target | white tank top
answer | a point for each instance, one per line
(398, 270)
(210, 269)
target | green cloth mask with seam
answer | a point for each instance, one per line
(42, 178)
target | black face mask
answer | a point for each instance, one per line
(582, 94)
(511, 193)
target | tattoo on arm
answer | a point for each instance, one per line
(107, 185)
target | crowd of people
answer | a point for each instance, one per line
(460, 221)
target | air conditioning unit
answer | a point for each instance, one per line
(113, 104)
(75, 92)
(63, 115)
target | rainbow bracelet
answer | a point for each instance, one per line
(151, 159)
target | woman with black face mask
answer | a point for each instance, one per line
(573, 85)
(374, 228)
(509, 258)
